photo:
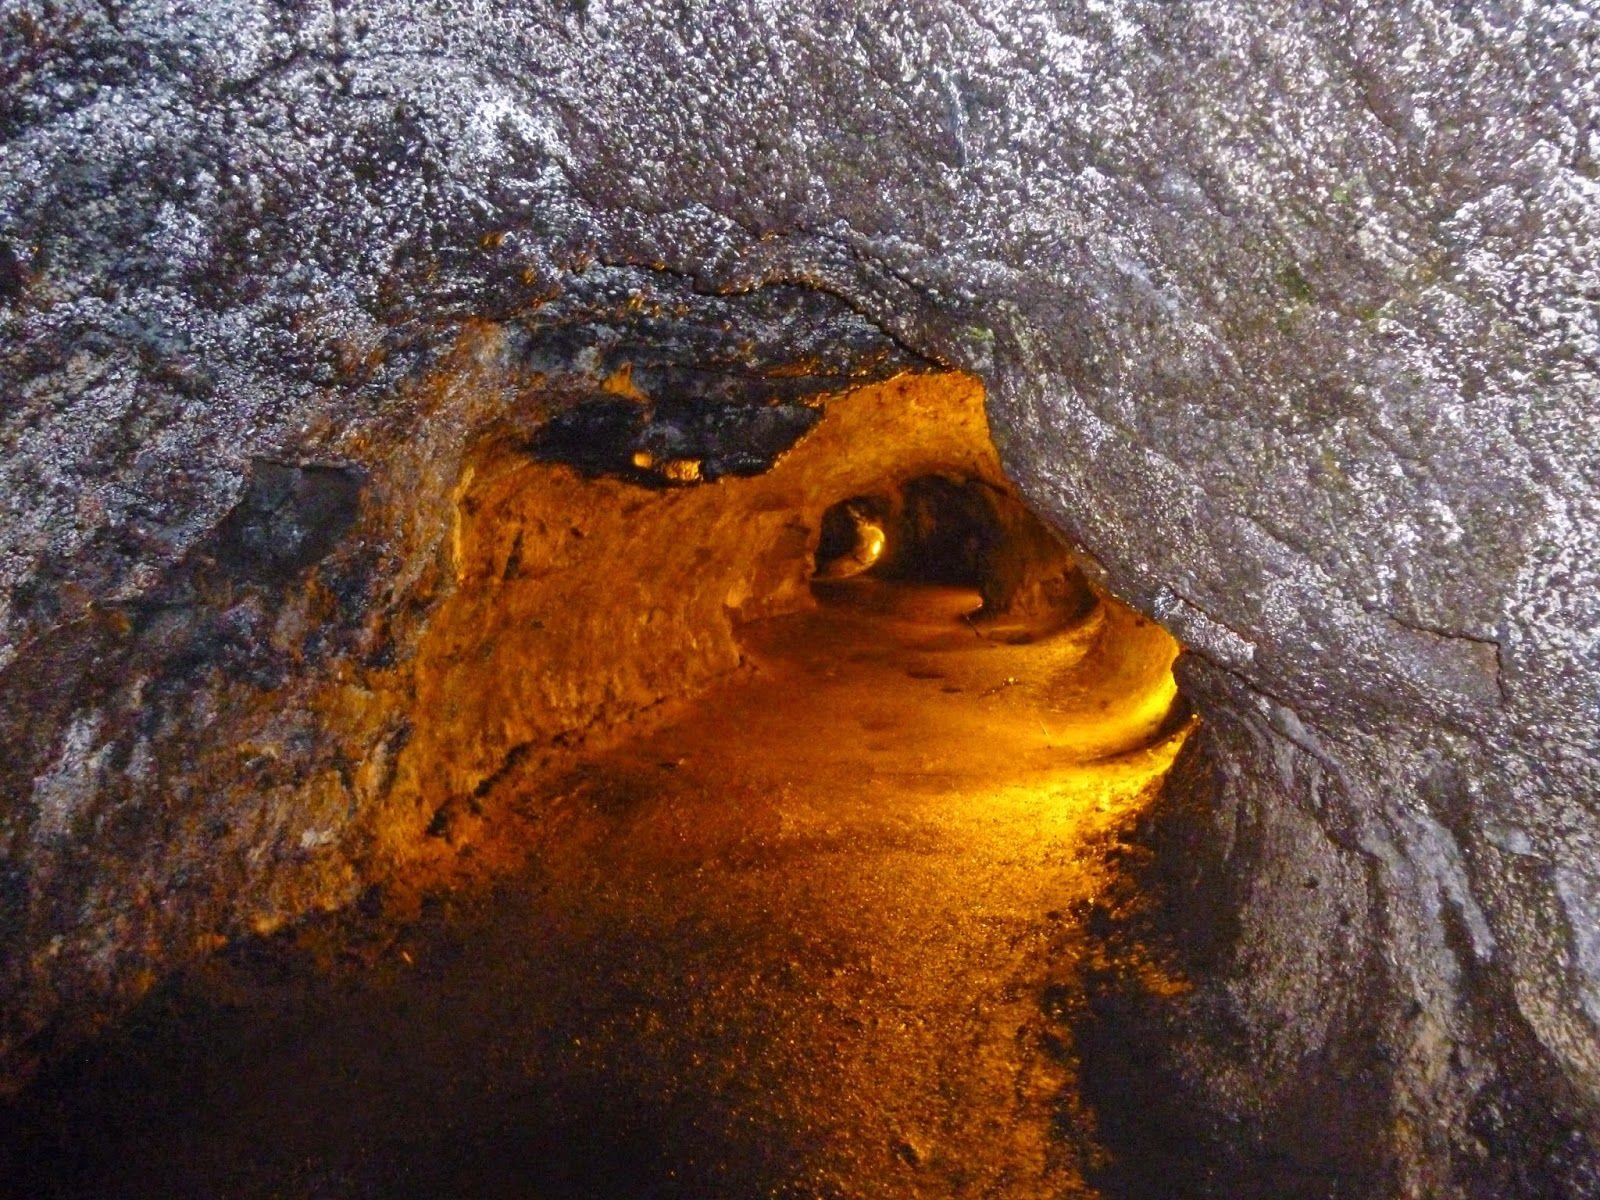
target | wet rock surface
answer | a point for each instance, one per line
(1287, 315)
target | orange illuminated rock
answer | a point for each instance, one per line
(578, 603)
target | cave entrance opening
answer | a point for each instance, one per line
(759, 829)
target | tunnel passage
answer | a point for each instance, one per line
(626, 596)
(944, 528)
(725, 873)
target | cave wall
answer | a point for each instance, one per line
(577, 604)
(1287, 317)
(324, 680)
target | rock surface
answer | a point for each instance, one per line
(1288, 316)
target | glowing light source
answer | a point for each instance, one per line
(868, 542)
(682, 470)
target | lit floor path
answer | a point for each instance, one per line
(812, 938)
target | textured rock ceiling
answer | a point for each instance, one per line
(1287, 313)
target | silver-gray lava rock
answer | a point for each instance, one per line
(1290, 316)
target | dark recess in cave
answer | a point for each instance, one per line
(291, 517)
(13, 278)
(672, 443)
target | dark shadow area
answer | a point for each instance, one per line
(952, 531)
(672, 443)
(1163, 927)
(291, 517)
(13, 276)
(176, 1106)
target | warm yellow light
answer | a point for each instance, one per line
(870, 541)
(682, 470)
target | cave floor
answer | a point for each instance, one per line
(819, 934)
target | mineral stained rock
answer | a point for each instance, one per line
(1288, 315)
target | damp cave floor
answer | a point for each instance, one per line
(818, 934)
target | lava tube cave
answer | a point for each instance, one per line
(849, 600)
(724, 869)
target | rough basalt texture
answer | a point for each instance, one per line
(573, 605)
(1288, 315)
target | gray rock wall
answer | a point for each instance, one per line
(1288, 313)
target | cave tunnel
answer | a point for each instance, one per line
(766, 773)
(815, 601)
